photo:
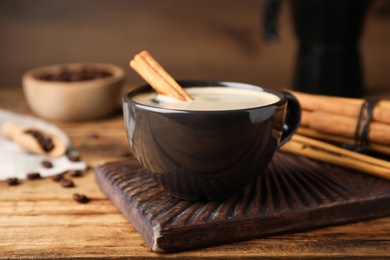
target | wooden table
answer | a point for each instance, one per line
(39, 219)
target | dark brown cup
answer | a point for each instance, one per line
(208, 154)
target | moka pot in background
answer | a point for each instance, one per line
(328, 32)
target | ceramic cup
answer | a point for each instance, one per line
(208, 154)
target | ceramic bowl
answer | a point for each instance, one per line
(59, 92)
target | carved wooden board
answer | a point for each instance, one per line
(294, 193)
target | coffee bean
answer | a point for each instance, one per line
(93, 135)
(57, 177)
(80, 198)
(123, 153)
(69, 75)
(89, 167)
(66, 183)
(12, 181)
(73, 157)
(74, 173)
(46, 164)
(44, 141)
(33, 175)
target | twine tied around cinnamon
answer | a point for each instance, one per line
(363, 128)
(356, 124)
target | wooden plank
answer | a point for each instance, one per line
(293, 194)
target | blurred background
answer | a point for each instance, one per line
(192, 39)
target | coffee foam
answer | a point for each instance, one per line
(210, 98)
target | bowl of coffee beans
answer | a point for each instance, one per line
(74, 91)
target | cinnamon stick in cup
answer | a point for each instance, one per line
(157, 67)
(157, 77)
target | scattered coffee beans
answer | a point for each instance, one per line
(33, 175)
(57, 177)
(74, 173)
(66, 183)
(46, 164)
(12, 181)
(80, 198)
(44, 141)
(69, 75)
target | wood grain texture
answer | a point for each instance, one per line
(39, 219)
(294, 193)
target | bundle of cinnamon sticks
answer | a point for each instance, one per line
(340, 121)
(331, 129)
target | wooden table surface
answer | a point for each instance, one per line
(39, 219)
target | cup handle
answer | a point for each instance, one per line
(293, 118)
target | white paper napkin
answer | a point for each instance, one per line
(16, 162)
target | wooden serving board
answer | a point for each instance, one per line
(293, 194)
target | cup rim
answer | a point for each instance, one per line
(201, 83)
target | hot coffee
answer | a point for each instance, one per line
(210, 98)
(213, 146)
